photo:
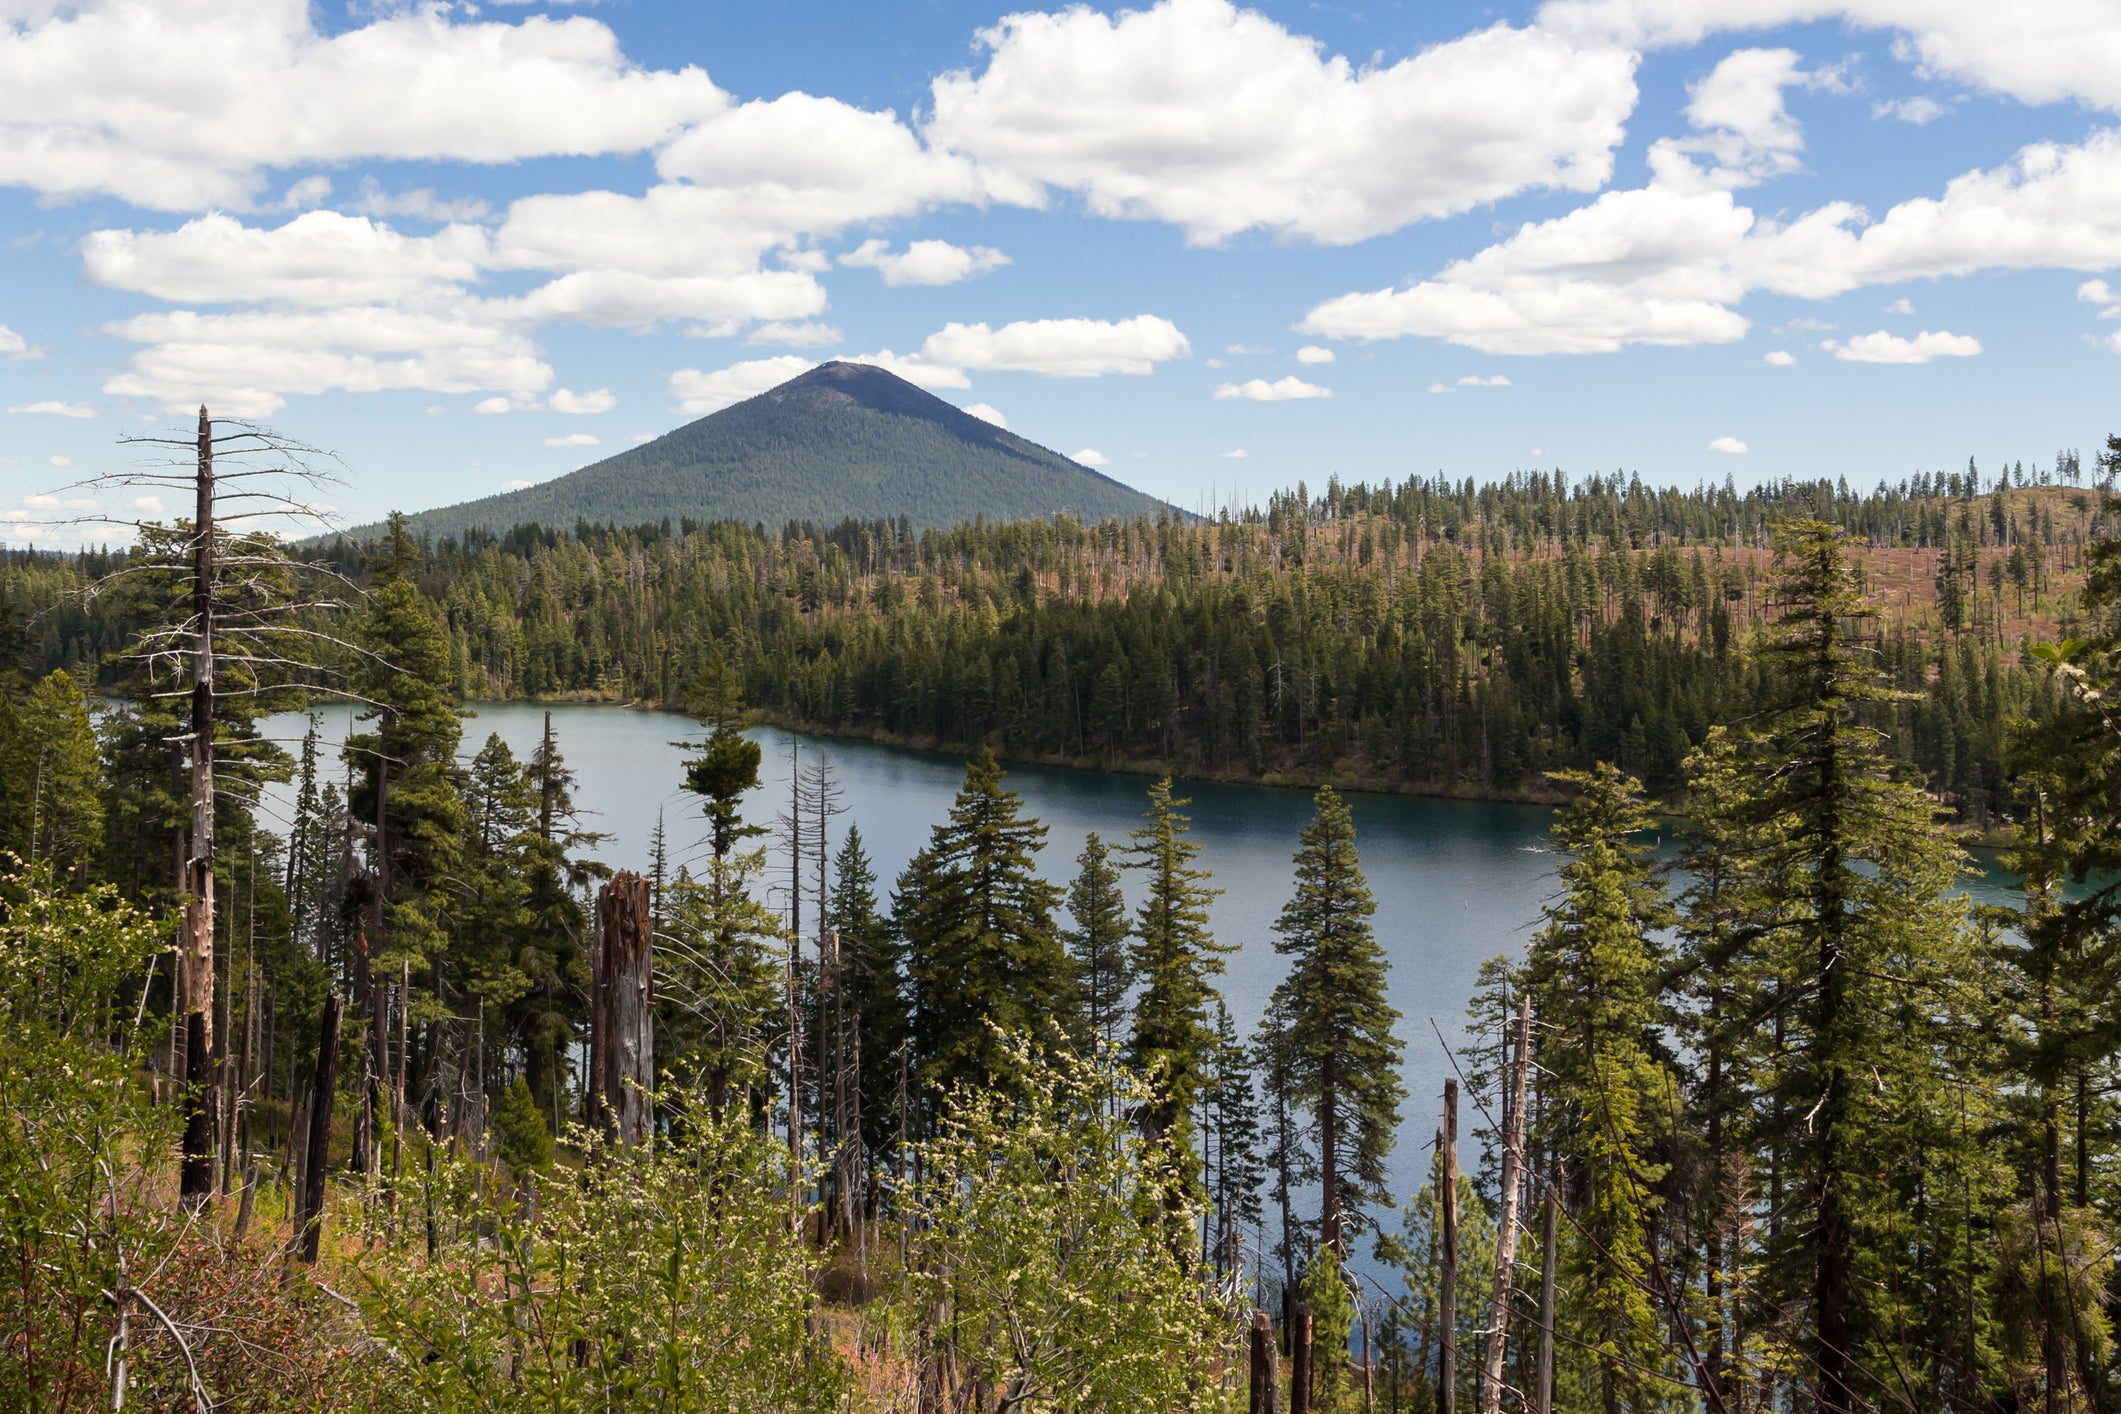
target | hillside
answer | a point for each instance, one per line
(844, 439)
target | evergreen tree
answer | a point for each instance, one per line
(51, 778)
(1174, 956)
(1859, 923)
(983, 957)
(1594, 973)
(1230, 1130)
(1098, 941)
(1342, 1058)
(872, 950)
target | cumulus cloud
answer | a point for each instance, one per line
(1219, 120)
(516, 485)
(795, 334)
(1441, 388)
(13, 345)
(1920, 111)
(573, 439)
(1235, 454)
(55, 409)
(1495, 380)
(1729, 445)
(88, 105)
(1903, 305)
(2100, 293)
(916, 370)
(1091, 456)
(62, 462)
(1779, 358)
(986, 412)
(319, 259)
(1281, 390)
(1059, 348)
(1664, 264)
(925, 262)
(581, 403)
(2043, 53)
(488, 407)
(1314, 354)
(1743, 127)
(699, 392)
(1882, 347)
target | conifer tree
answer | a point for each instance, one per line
(1859, 924)
(983, 957)
(872, 950)
(51, 778)
(1174, 957)
(1098, 941)
(1594, 972)
(1230, 1130)
(1336, 1034)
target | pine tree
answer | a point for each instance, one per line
(1341, 1056)
(983, 957)
(1859, 926)
(1174, 956)
(1098, 941)
(1594, 972)
(873, 958)
(51, 777)
(1230, 1130)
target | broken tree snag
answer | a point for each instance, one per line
(309, 1204)
(625, 1002)
(1447, 1290)
(1263, 1391)
(195, 1185)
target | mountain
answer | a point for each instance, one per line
(844, 439)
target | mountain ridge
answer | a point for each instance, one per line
(842, 440)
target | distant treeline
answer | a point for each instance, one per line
(1434, 635)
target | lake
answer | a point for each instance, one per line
(1456, 882)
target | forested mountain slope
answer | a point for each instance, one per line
(844, 439)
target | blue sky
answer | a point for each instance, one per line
(470, 247)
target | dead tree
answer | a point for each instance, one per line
(622, 1014)
(230, 615)
(1506, 1236)
(1447, 1288)
(309, 1198)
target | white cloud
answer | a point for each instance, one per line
(516, 485)
(640, 437)
(988, 413)
(319, 259)
(699, 392)
(1059, 348)
(2098, 292)
(925, 262)
(1219, 120)
(1091, 456)
(1779, 358)
(1247, 350)
(2050, 52)
(574, 439)
(1314, 354)
(1281, 390)
(56, 409)
(13, 345)
(421, 204)
(792, 334)
(488, 407)
(1441, 388)
(1496, 380)
(1729, 445)
(1903, 305)
(1235, 454)
(90, 101)
(1742, 125)
(1921, 111)
(244, 363)
(581, 403)
(1664, 264)
(62, 462)
(1883, 347)
(146, 505)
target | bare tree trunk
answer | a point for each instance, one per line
(1300, 1360)
(1447, 1279)
(626, 1000)
(309, 1204)
(1506, 1235)
(1263, 1395)
(1543, 1399)
(196, 1183)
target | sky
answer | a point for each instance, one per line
(1211, 249)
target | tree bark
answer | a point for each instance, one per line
(1264, 1395)
(1300, 1360)
(309, 1214)
(196, 1181)
(1506, 1234)
(1447, 1279)
(626, 1001)
(1543, 1398)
